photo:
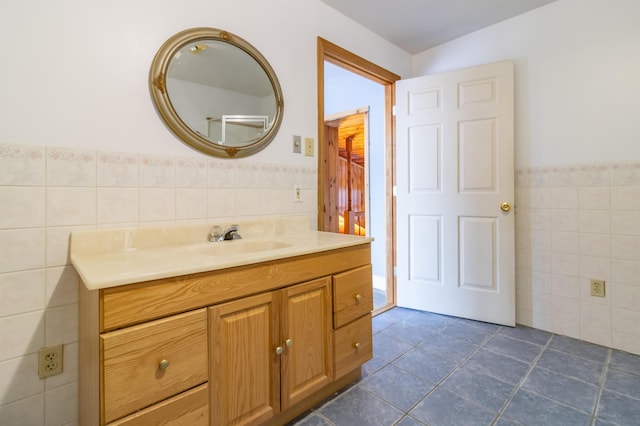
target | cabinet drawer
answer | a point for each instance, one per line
(133, 373)
(190, 408)
(353, 345)
(352, 295)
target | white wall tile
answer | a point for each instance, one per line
(626, 321)
(71, 167)
(625, 296)
(626, 342)
(594, 198)
(538, 218)
(625, 247)
(565, 220)
(20, 379)
(625, 198)
(62, 405)
(597, 335)
(221, 202)
(565, 286)
(625, 174)
(61, 286)
(565, 264)
(566, 308)
(22, 334)
(540, 198)
(564, 176)
(191, 172)
(247, 202)
(57, 250)
(61, 325)
(564, 198)
(22, 249)
(157, 204)
(595, 221)
(625, 271)
(22, 292)
(565, 327)
(118, 169)
(595, 267)
(27, 411)
(598, 245)
(191, 203)
(222, 174)
(595, 315)
(594, 175)
(68, 206)
(22, 206)
(22, 165)
(565, 242)
(157, 172)
(118, 205)
(625, 222)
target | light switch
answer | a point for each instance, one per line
(308, 147)
(297, 144)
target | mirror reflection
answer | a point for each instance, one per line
(216, 92)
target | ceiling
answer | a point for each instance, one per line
(417, 25)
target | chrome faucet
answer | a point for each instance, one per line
(230, 234)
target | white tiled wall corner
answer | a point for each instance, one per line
(592, 215)
(49, 192)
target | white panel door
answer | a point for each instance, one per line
(455, 172)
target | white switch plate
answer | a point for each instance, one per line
(297, 194)
(308, 147)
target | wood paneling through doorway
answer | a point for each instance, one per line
(336, 55)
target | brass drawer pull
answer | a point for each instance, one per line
(288, 342)
(358, 298)
(279, 350)
(357, 346)
(164, 364)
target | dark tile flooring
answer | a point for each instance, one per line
(431, 369)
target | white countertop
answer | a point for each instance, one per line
(113, 257)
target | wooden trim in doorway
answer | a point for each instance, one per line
(335, 54)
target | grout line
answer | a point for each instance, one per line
(522, 380)
(603, 376)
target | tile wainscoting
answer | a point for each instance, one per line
(47, 192)
(574, 223)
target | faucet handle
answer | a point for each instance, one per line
(216, 233)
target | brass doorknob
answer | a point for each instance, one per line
(164, 364)
(505, 207)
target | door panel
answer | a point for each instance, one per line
(454, 169)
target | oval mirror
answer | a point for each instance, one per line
(216, 92)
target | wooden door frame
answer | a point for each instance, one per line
(336, 55)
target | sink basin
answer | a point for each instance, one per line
(234, 247)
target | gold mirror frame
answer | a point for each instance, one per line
(158, 88)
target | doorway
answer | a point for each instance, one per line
(333, 55)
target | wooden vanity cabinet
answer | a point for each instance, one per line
(257, 344)
(269, 352)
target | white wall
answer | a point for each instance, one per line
(75, 73)
(82, 147)
(576, 68)
(577, 147)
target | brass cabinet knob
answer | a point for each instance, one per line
(288, 342)
(357, 346)
(505, 207)
(279, 350)
(164, 364)
(358, 298)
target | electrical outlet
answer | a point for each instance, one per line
(308, 147)
(297, 194)
(297, 144)
(597, 288)
(50, 361)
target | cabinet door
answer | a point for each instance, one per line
(307, 363)
(245, 368)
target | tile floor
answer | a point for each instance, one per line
(430, 369)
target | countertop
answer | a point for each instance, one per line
(113, 257)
